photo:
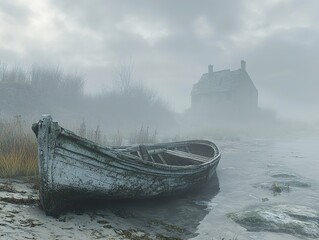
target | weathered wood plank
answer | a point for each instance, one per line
(162, 159)
(72, 167)
(189, 156)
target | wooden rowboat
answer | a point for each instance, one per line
(73, 168)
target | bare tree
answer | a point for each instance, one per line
(48, 79)
(3, 70)
(82, 129)
(98, 135)
(124, 75)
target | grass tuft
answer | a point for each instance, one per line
(18, 145)
(18, 149)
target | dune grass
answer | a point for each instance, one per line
(18, 146)
(18, 149)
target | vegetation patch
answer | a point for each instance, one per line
(168, 227)
(7, 187)
(102, 222)
(276, 188)
(283, 186)
(19, 201)
(18, 149)
(30, 223)
(134, 234)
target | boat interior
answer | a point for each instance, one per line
(179, 155)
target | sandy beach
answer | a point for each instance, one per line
(22, 218)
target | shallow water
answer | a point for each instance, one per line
(264, 189)
(263, 183)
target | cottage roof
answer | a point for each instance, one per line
(221, 81)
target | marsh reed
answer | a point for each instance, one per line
(18, 145)
(18, 149)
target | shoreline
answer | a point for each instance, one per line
(22, 218)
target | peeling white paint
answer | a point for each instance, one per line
(72, 167)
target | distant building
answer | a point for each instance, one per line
(225, 93)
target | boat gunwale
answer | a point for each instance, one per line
(114, 153)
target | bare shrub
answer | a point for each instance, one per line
(143, 135)
(117, 139)
(50, 90)
(82, 130)
(98, 135)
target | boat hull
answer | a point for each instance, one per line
(72, 168)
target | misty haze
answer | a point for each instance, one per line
(159, 119)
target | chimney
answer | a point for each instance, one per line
(243, 65)
(210, 69)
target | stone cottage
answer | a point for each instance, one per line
(225, 93)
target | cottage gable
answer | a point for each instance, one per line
(226, 90)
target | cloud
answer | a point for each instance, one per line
(172, 42)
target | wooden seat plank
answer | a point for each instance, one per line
(190, 156)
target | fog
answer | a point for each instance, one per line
(240, 73)
(126, 66)
(26, 93)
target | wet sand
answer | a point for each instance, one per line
(22, 218)
(178, 218)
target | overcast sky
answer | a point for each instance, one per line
(172, 42)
